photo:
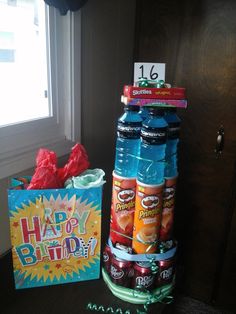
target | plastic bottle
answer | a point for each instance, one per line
(128, 142)
(171, 169)
(143, 112)
(153, 145)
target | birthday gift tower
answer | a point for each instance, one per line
(140, 255)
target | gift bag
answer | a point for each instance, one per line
(55, 235)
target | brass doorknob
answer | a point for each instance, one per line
(219, 141)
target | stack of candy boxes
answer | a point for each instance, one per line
(140, 254)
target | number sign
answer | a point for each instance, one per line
(149, 71)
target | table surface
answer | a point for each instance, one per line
(70, 298)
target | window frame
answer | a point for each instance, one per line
(19, 142)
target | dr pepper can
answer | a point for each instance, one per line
(121, 271)
(143, 277)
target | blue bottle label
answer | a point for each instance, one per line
(173, 131)
(154, 136)
(129, 130)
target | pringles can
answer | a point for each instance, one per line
(167, 219)
(147, 218)
(121, 271)
(143, 277)
(122, 210)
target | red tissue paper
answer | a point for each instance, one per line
(77, 163)
(48, 176)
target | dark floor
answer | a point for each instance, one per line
(74, 298)
(186, 305)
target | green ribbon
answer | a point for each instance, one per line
(100, 308)
(161, 84)
(144, 82)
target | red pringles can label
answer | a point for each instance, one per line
(121, 272)
(107, 256)
(143, 277)
(122, 210)
(166, 272)
(147, 218)
(167, 220)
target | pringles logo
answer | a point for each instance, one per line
(169, 193)
(150, 202)
(126, 196)
(168, 197)
(150, 207)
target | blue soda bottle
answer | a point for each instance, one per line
(153, 145)
(128, 142)
(171, 169)
(143, 112)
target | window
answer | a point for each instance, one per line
(23, 62)
(39, 67)
(7, 49)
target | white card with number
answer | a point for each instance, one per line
(149, 71)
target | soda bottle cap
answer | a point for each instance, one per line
(131, 108)
(156, 111)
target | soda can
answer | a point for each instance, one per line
(167, 245)
(121, 271)
(166, 272)
(107, 256)
(147, 218)
(167, 219)
(143, 277)
(122, 210)
(124, 248)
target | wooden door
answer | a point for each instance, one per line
(197, 41)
